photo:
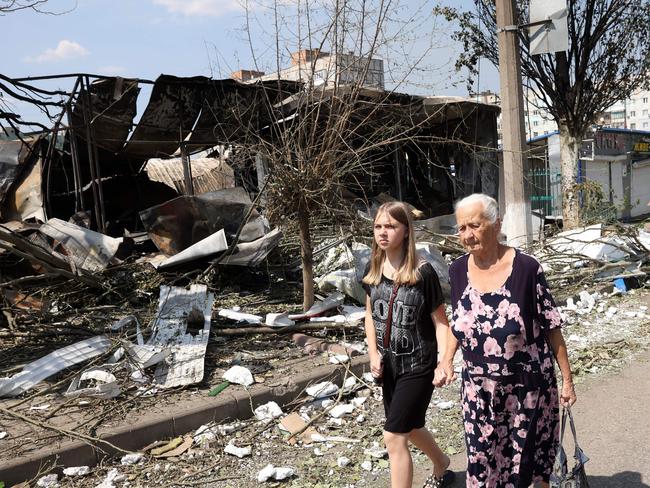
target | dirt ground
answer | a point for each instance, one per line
(607, 352)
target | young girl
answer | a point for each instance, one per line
(405, 325)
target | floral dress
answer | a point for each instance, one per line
(509, 391)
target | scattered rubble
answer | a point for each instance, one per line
(100, 328)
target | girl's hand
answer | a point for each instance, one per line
(568, 394)
(376, 365)
(439, 377)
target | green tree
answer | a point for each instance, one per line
(608, 58)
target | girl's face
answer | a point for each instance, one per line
(390, 234)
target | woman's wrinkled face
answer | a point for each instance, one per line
(476, 233)
(389, 233)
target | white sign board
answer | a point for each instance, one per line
(552, 36)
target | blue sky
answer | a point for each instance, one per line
(144, 38)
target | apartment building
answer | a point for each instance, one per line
(633, 113)
(325, 69)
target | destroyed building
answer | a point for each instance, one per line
(101, 168)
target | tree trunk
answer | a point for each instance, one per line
(569, 147)
(307, 259)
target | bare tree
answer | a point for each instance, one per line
(11, 6)
(608, 58)
(16, 91)
(331, 131)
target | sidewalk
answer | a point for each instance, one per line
(171, 421)
(612, 419)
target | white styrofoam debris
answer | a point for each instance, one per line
(48, 481)
(318, 452)
(283, 473)
(630, 314)
(77, 471)
(376, 451)
(240, 452)
(113, 476)
(342, 461)
(337, 319)
(340, 410)
(358, 401)
(133, 458)
(368, 378)
(240, 316)
(208, 433)
(366, 466)
(335, 421)
(239, 375)
(339, 359)
(586, 303)
(3, 434)
(324, 389)
(45, 406)
(570, 305)
(278, 320)
(324, 403)
(349, 382)
(361, 418)
(268, 411)
(445, 405)
(318, 437)
(278, 474)
(265, 473)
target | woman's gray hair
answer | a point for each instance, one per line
(490, 205)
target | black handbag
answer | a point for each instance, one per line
(561, 476)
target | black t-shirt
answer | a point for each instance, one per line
(413, 347)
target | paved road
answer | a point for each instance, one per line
(613, 422)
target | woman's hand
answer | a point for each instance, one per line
(376, 364)
(568, 394)
(444, 374)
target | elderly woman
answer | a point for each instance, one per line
(505, 321)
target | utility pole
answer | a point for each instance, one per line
(518, 219)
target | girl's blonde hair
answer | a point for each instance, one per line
(407, 274)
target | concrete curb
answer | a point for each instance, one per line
(227, 406)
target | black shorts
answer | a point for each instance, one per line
(406, 399)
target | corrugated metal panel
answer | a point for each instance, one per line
(208, 174)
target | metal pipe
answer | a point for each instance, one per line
(95, 161)
(93, 176)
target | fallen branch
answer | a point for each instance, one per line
(237, 331)
(93, 441)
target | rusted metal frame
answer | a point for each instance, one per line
(79, 203)
(75, 75)
(187, 170)
(47, 165)
(94, 183)
(100, 185)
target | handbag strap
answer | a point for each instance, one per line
(566, 412)
(389, 317)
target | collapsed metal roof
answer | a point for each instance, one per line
(199, 112)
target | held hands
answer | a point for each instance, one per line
(444, 374)
(568, 393)
(376, 365)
